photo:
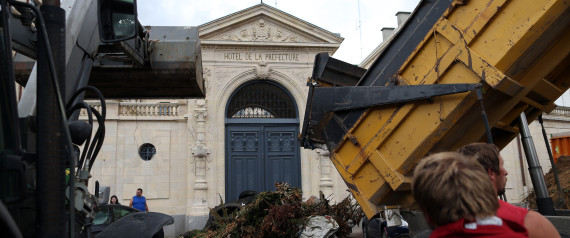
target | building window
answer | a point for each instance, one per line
(253, 112)
(147, 151)
(261, 100)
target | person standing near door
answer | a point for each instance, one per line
(139, 201)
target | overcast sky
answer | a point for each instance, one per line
(337, 16)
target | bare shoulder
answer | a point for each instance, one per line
(538, 226)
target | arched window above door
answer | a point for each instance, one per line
(261, 100)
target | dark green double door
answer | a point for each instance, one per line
(258, 155)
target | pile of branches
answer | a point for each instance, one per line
(561, 199)
(282, 213)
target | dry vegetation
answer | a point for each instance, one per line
(563, 167)
(281, 213)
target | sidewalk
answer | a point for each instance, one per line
(356, 232)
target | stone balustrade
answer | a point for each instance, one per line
(95, 105)
(560, 113)
(148, 109)
(139, 110)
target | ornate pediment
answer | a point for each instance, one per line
(263, 23)
(263, 29)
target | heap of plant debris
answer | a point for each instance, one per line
(560, 202)
(281, 213)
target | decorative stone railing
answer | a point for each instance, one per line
(139, 110)
(148, 109)
(95, 105)
(560, 113)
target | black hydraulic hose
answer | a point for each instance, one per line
(101, 121)
(97, 149)
(97, 142)
(98, 139)
(95, 138)
(484, 114)
(81, 105)
(40, 24)
(90, 118)
(551, 159)
(97, 92)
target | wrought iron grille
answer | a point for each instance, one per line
(261, 100)
(147, 151)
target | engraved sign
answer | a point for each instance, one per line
(268, 57)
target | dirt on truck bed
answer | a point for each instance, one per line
(563, 167)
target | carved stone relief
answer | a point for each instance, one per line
(301, 75)
(262, 70)
(263, 31)
(200, 153)
(222, 76)
(206, 73)
(325, 184)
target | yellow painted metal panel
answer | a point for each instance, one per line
(518, 49)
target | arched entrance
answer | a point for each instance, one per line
(262, 125)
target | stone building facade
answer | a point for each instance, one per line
(186, 154)
(243, 134)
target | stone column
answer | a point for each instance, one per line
(200, 153)
(325, 185)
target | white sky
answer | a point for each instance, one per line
(337, 16)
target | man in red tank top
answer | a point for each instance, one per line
(491, 227)
(457, 198)
(520, 220)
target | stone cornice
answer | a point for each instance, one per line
(257, 44)
(304, 48)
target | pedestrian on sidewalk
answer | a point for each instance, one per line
(139, 201)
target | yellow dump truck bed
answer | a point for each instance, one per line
(518, 50)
